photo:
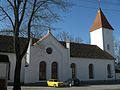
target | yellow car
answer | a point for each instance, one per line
(55, 83)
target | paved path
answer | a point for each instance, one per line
(90, 87)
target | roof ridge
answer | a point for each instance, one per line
(78, 43)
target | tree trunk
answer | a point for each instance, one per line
(17, 84)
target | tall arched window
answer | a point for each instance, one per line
(54, 69)
(73, 67)
(109, 71)
(42, 72)
(91, 72)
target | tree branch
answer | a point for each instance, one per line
(43, 2)
(10, 3)
(29, 23)
(23, 12)
(16, 15)
(3, 18)
(29, 28)
(18, 3)
(7, 16)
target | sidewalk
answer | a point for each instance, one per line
(89, 87)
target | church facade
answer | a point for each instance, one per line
(49, 58)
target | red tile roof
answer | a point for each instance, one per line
(100, 21)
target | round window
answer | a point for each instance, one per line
(49, 50)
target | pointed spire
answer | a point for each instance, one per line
(100, 22)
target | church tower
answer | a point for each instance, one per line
(101, 33)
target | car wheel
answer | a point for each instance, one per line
(54, 85)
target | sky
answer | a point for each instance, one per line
(78, 20)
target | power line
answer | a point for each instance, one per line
(90, 7)
(103, 2)
(93, 4)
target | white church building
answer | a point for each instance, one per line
(49, 58)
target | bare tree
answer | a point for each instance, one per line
(117, 50)
(65, 36)
(30, 16)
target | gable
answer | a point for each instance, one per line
(49, 40)
(48, 48)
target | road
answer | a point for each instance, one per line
(89, 87)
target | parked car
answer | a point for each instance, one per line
(72, 82)
(55, 83)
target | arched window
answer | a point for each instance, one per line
(109, 71)
(54, 69)
(42, 72)
(73, 67)
(91, 73)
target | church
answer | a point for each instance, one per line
(49, 58)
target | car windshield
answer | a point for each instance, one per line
(56, 80)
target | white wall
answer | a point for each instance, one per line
(61, 55)
(12, 59)
(108, 39)
(102, 37)
(96, 38)
(100, 68)
(3, 70)
(38, 54)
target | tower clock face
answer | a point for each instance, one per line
(49, 50)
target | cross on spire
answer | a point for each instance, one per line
(98, 3)
(49, 30)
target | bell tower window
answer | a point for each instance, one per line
(108, 47)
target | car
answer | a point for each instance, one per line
(55, 83)
(72, 82)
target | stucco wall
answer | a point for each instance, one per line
(96, 38)
(3, 70)
(38, 54)
(103, 37)
(108, 39)
(60, 54)
(100, 68)
(12, 59)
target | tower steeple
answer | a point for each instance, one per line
(100, 22)
(101, 33)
